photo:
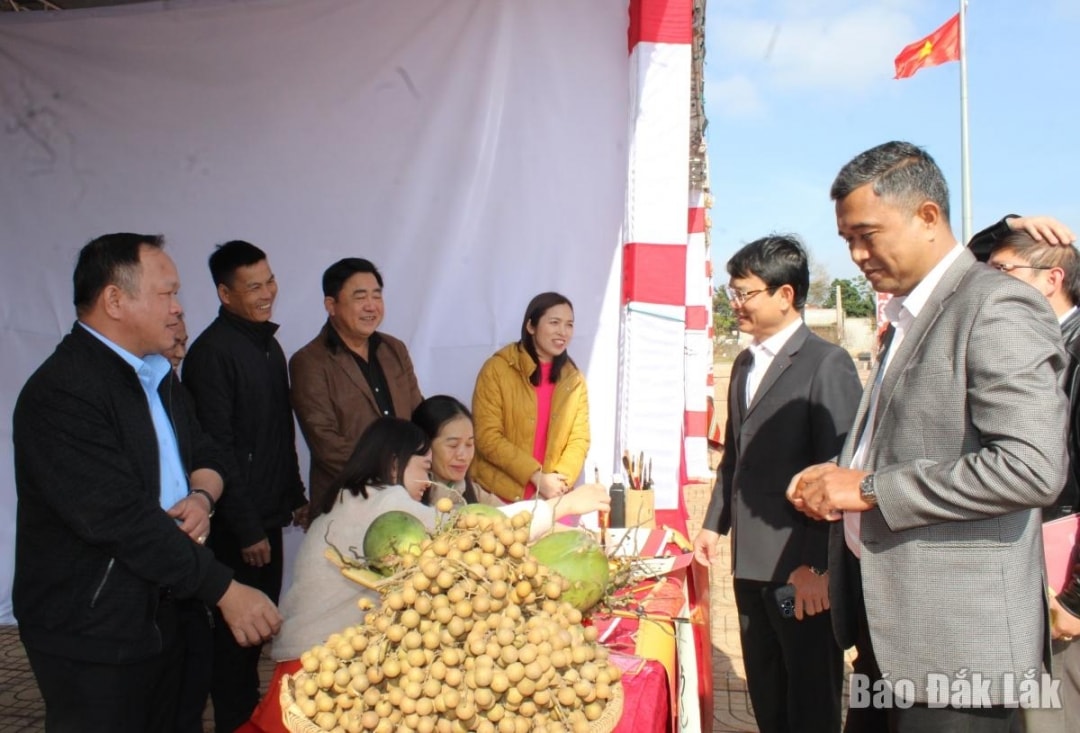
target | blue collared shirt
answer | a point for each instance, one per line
(151, 370)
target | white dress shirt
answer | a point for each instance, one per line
(901, 312)
(764, 353)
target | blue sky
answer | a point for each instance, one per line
(795, 88)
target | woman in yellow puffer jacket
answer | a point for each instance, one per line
(531, 408)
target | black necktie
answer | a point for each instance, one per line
(742, 391)
(884, 343)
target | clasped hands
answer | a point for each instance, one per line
(192, 514)
(549, 485)
(825, 490)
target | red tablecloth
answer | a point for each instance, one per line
(646, 626)
(648, 659)
(646, 703)
(645, 698)
(267, 716)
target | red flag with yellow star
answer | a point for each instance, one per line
(940, 47)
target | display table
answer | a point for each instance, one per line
(645, 685)
(659, 638)
(666, 620)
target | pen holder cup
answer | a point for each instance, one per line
(641, 508)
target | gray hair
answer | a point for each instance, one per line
(902, 173)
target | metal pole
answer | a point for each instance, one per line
(965, 152)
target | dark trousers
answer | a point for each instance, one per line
(235, 683)
(917, 718)
(196, 634)
(794, 669)
(89, 697)
(1067, 718)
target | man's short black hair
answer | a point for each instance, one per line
(333, 280)
(903, 174)
(229, 257)
(778, 259)
(111, 259)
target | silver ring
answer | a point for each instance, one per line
(201, 540)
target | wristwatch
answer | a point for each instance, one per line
(209, 500)
(867, 491)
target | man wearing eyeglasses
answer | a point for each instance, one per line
(1054, 270)
(792, 399)
(1041, 228)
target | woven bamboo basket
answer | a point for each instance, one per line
(296, 722)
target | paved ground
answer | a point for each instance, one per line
(21, 709)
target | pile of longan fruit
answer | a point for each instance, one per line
(470, 635)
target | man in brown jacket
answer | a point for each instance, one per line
(350, 374)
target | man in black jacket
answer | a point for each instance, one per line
(237, 373)
(115, 485)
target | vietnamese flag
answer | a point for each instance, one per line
(941, 46)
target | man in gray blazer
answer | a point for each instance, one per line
(935, 557)
(1054, 270)
(792, 399)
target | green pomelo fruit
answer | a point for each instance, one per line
(390, 536)
(482, 510)
(576, 556)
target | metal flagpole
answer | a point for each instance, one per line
(965, 152)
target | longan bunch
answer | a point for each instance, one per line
(471, 636)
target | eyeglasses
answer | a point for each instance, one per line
(1009, 267)
(735, 295)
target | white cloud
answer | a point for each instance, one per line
(816, 45)
(734, 97)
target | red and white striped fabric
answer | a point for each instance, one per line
(699, 355)
(666, 350)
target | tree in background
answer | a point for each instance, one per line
(819, 284)
(859, 298)
(724, 321)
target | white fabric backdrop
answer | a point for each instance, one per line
(475, 150)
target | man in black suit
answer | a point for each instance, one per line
(792, 400)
